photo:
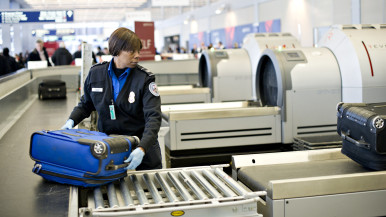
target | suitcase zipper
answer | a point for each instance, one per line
(88, 181)
(38, 169)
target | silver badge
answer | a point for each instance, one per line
(153, 89)
(131, 97)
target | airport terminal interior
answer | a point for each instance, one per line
(270, 108)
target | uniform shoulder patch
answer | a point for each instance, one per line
(99, 64)
(153, 88)
(149, 73)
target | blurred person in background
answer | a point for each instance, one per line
(13, 65)
(106, 51)
(99, 54)
(4, 67)
(61, 56)
(220, 46)
(21, 59)
(202, 48)
(99, 51)
(210, 46)
(39, 53)
(78, 54)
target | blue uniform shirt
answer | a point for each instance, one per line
(117, 82)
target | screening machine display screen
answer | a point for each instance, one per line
(292, 54)
(61, 16)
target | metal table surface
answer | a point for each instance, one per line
(23, 193)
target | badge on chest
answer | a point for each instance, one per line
(131, 97)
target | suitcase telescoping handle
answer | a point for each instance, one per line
(133, 139)
(361, 144)
(134, 142)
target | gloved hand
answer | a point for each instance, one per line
(135, 158)
(68, 125)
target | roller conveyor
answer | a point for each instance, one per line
(190, 191)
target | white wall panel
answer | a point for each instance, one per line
(372, 11)
(341, 12)
(245, 15)
(203, 24)
(270, 10)
(217, 21)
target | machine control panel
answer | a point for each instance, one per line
(221, 54)
(294, 55)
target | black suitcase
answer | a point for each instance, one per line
(362, 128)
(52, 89)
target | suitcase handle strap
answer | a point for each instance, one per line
(112, 166)
(361, 144)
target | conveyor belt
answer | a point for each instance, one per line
(257, 177)
(23, 193)
(314, 183)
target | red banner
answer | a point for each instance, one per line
(51, 47)
(145, 31)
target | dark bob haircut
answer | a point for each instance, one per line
(123, 39)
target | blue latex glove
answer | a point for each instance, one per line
(68, 125)
(135, 159)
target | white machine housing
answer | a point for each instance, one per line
(229, 73)
(305, 84)
(360, 51)
(221, 125)
(327, 183)
(256, 43)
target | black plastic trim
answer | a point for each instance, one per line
(107, 177)
(317, 126)
(222, 137)
(225, 131)
(88, 181)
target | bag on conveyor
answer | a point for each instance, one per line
(52, 89)
(80, 157)
(362, 128)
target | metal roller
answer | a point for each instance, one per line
(227, 191)
(139, 190)
(153, 190)
(197, 190)
(232, 183)
(98, 197)
(113, 200)
(208, 187)
(184, 193)
(166, 188)
(126, 193)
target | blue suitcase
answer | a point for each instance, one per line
(80, 157)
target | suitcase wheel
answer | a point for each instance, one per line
(378, 123)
